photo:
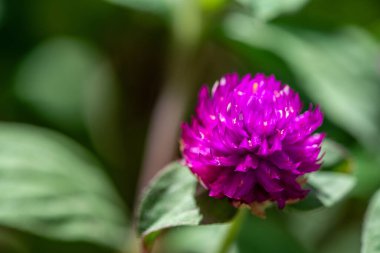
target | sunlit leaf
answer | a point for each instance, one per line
(337, 70)
(171, 201)
(268, 9)
(371, 231)
(51, 187)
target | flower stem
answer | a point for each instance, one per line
(186, 30)
(233, 230)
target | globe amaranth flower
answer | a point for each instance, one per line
(249, 141)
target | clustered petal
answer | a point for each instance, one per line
(249, 140)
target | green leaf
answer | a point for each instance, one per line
(164, 7)
(171, 200)
(336, 157)
(154, 6)
(337, 70)
(51, 187)
(52, 81)
(71, 86)
(367, 173)
(333, 152)
(371, 231)
(200, 239)
(327, 188)
(59, 78)
(310, 228)
(333, 182)
(269, 9)
(331, 186)
(161, 7)
(311, 202)
(212, 5)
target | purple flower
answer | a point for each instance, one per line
(250, 142)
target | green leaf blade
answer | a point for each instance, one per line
(154, 6)
(371, 231)
(53, 188)
(172, 200)
(177, 207)
(326, 189)
(332, 186)
(269, 9)
(200, 239)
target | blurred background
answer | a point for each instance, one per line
(119, 76)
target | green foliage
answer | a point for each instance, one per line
(336, 70)
(171, 201)
(371, 231)
(54, 196)
(155, 6)
(310, 228)
(327, 188)
(367, 173)
(168, 201)
(52, 187)
(164, 7)
(70, 85)
(333, 153)
(331, 186)
(212, 5)
(269, 9)
(333, 183)
(57, 80)
(196, 239)
(267, 235)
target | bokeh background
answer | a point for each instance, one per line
(119, 76)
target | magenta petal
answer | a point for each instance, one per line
(249, 140)
(250, 162)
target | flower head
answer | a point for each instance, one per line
(249, 141)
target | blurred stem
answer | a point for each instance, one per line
(162, 137)
(233, 231)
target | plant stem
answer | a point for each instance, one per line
(162, 137)
(233, 230)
